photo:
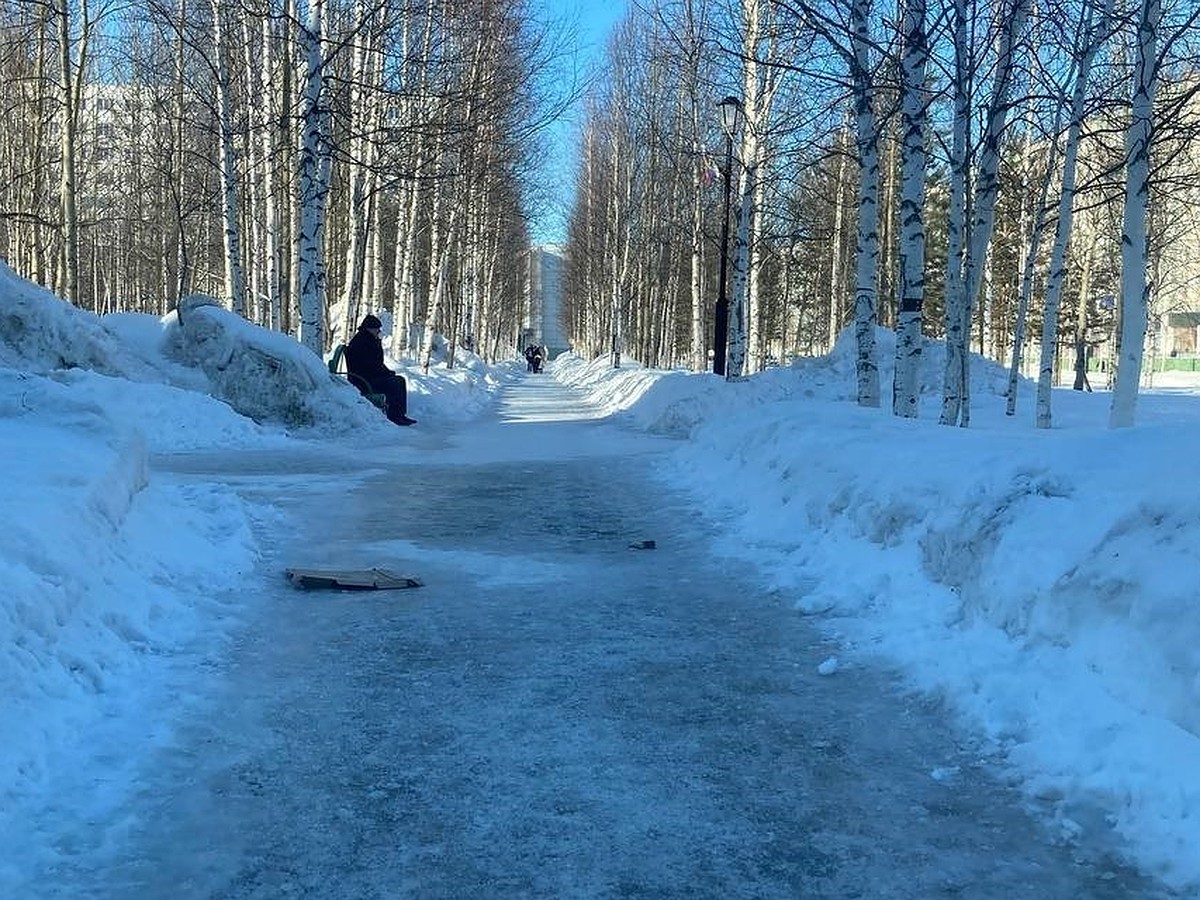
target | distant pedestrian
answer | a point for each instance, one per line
(535, 356)
(364, 360)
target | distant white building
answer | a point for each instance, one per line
(543, 325)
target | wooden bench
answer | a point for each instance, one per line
(336, 368)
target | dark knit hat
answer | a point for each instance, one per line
(371, 322)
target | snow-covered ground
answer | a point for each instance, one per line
(1044, 583)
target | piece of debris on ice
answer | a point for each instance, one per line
(815, 604)
(829, 666)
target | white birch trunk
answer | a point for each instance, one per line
(439, 256)
(955, 408)
(407, 208)
(866, 365)
(67, 122)
(1062, 237)
(404, 282)
(437, 298)
(760, 81)
(256, 104)
(699, 338)
(1081, 320)
(837, 240)
(906, 385)
(235, 289)
(271, 148)
(621, 240)
(956, 224)
(404, 276)
(740, 291)
(312, 186)
(181, 249)
(756, 341)
(1135, 287)
(290, 87)
(373, 279)
(324, 175)
(363, 123)
(615, 337)
(1028, 266)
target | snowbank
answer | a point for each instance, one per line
(1044, 582)
(110, 571)
(102, 569)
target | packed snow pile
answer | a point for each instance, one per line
(833, 375)
(264, 375)
(42, 334)
(674, 403)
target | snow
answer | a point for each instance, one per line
(1042, 583)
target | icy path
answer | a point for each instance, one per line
(554, 715)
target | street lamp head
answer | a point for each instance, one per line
(731, 113)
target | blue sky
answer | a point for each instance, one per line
(591, 21)
(596, 18)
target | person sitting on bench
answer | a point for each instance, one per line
(364, 359)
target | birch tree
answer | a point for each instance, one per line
(1094, 31)
(312, 187)
(271, 148)
(619, 227)
(852, 40)
(760, 84)
(444, 247)
(692, 43)
(1029, 266)
(837, 277)
(1135, 287)
(906, 387)
(866, 135)
(178, 182)
(960, 302)
(418, 76)
(740, 292)
(686, 25)
(956, 320)
(235, 293)
(70, 85)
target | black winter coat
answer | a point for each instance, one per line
(364, 356)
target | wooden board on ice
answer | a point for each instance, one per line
(350, 579)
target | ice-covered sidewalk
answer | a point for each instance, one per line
(554, 713)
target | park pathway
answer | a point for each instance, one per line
(553, 714)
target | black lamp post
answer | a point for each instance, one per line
(731, 112)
